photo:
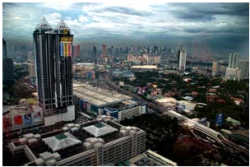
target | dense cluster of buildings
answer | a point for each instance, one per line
(237, 69)
(144, 59)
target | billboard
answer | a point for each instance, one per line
(219, 119)
(27, 118)
(37, 117)
(18, 121)
(66, 46)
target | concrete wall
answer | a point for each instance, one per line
(68, 116)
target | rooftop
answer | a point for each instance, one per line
(167, 100)
(62, 25)
(21, 109)
(100, 129)
(97, 96)
(144, 67)
(44, 24)
(69, 143)
(61, 141)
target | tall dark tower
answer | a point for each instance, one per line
(53, 54)
(4, 49)
(95, 54)
(8, 65)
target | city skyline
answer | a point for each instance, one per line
(219, 27)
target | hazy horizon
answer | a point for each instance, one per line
(218, 27)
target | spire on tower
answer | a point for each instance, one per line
(62, 25)
(44, 24)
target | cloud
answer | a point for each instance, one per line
(132, 20)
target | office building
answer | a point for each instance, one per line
(53, 58)
(233, 74)
(76, 50)
(144, 59)
(181, 56)
(8, 65)
(233, 60)
(244, 68)
(95, 143)
(215, 68)
(104, 50)
(4, 49)
(8, 70)
(32, 69)
(95, 55)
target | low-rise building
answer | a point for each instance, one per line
(151, 158)
(96, 143)
(98, 101)
(21, 116)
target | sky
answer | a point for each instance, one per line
(219, 27)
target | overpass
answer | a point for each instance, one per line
(218, 137)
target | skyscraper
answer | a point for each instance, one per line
(53, 57)
(8, 65)
(4, 49)
(8, 69)
(244, 67)
(233, 60)
(104, 50)
(215, 68)
(76, 50)
(95, 54)
(181, 56)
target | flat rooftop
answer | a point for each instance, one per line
(144, 67)
(98, 96)
(68, 144)
(20, 109)
(100, 129)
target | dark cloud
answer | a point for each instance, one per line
(127, 11)
(195, 16)
(208, 11)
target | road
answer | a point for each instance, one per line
(160, 110)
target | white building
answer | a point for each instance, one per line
(233, 60)
(32, 69)
(182, 56)
(233, 74)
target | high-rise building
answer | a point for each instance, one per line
(8, 65)
(181, 56)
(8, 69)
(53, 57)
(4, 49)
(215, 68)
(32, 69)
(244, 67)
(76, 50)
(233, 74)
(233, 60)
(104, 50)
(95, 54)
